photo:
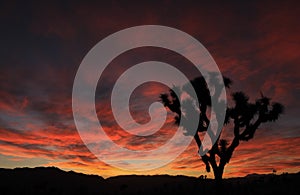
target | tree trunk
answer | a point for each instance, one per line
(218, 173)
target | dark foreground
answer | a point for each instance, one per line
(55, 181)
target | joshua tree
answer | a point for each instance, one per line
(243, 117)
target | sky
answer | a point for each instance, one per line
(256, 44)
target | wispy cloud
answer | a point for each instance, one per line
(257, 46)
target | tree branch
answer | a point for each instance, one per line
(204, 158)
(235, 142)
(249, 132)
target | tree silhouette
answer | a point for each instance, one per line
(243, 117)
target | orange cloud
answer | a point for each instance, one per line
(257, 47)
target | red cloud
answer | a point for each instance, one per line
(259, 51)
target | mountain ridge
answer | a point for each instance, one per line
(52, 180)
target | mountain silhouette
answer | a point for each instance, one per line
(51, 180)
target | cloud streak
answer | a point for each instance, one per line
(256, 45)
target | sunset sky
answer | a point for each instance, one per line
(255, 44)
